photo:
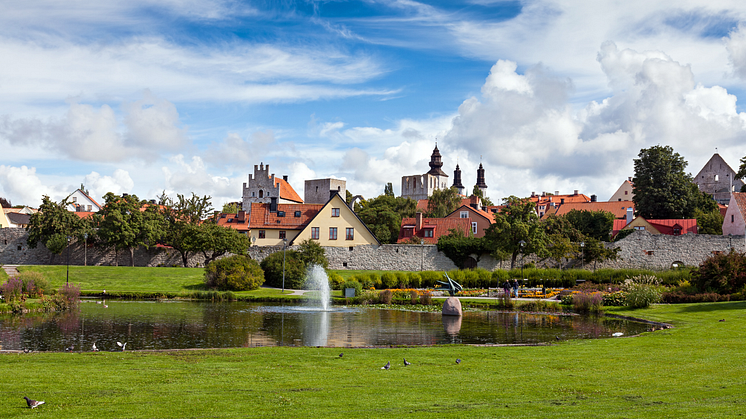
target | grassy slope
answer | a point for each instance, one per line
(693, 370)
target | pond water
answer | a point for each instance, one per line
(181, 324)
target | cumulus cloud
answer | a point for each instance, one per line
(21, 185)
(186, 176)
(119, 182)
(152, 122)
(238, 152)
(735, 44)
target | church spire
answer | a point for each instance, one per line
(480, 178)
(457, 180)
(436, 164)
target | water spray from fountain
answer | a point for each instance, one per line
(317, 279)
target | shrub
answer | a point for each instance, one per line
(402, 278)
(674, 297)
(724, 273)
(414, 297)
(414, 280)
(67, 297)
(12, 290)
(426, 298)
(234, 273)
(642, 291)
(336, 282)
(389, 280)
(295, 270)
(351, 283)
(585, 302)
(430, 278)
(34, 283)
(617, 298)
(385, 296)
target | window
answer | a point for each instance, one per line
(262, 234)
(465, 214)
(626, 192)
(676, 231)
(297, 214)
(349, 233)
(282, 235)
(332, 233)
(640, 228)
(732, 218)
(75, 199)
(253, 194)
(335, 212)
(429, 233)
(314, 233)
(474, 228)
(280, 213)
(261, 194)
(90, 207)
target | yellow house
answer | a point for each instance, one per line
(336, 225)
(4, 223)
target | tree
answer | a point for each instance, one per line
(662, 189)
(388, 190)
(478, 192)
(563, 238)
(458, 245)
(443, 202)
(384, 213)
(710, 222)
(215, 241)
(724, 273)
(126, 223)
(183, 218)
(52, 224)
(231, 208)
(595, 224)
(311, 253)
(235, 273)
(517, 222)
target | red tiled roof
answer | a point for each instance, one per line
(287, 191)
(489, 216)
(547, 199)
(83, 214)
(233, 221)
(439, 226)
(667, 226)
(740, 198)
(723, 209)
(618, 208)
(618, 226)
(262, 217)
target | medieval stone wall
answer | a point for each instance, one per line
(639, 250)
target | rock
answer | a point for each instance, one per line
(452, 307)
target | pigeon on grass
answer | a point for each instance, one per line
(458, 360)
(387, 366)
(406, 362)
(122, 345)
(341, 355)
(33, 403)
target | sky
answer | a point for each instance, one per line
(186, 96)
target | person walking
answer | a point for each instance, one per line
(515, 288)
(506, 288)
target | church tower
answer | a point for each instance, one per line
(480, 179)
(457, 180)
(422, 186)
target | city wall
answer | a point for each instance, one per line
(639, 250)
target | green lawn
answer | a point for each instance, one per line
(695, 370)
(3, 275)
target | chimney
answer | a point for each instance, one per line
(562, 201)
(152, 201)
(273, 204)
(418, 221)
(556, 192)
(285, 178)
(593, 198)
(630, 178)
(630, 215)
(533, 194)
(242, 216)
(576, 192)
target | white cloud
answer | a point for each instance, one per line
(153, 123)
(186, 177)
(735, 44)
(22, 186)
(120, 182)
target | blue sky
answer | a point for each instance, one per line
(187, 96)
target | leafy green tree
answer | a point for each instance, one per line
(443, 202)
(52, 224)
(234, 273)
(458, 245)
(710, 222)
(348, 197)
(595, 224)
(662, 189)
(388, 190)
(183, 218)
(311, 253)
(127, 222)
(230, 208)
(478, 192)
(295, 269)
(517, 222)
(383, 215)
(215, 241)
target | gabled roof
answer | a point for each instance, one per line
(86, 195)
(238, 221)
(263, 218)
(439, 226)
(557, 199)
(618, 208)
(740, 198)
(18, 218)
(668, 226)
(490, 217)
(343, 207)
(84, 214)
(287, 191)
(618, 226)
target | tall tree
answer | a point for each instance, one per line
(662, 189)
(517, 222)
(596, 224)
(52, 224)
(214, 241)
(231, 208)
(126, 223)
(709, 222)
(183, 217)
(443, 202)
(478, 192)
(384, 213)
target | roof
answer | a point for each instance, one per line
(618, 226)
(18, 218)
(618, 208)
(489, 216)
(262, 217)
(234, 221)
(83, 214)
(740, 198)
(342, 204)
(667, 226)
(440, 227)
(287, 191)
(557, 199)
(87, 196)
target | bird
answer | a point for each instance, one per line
(617, 334)
(557, 337)
(387, 366)
(406, 363)
(33, 403)
(341, 354)
(458, 360)
(70, 348)
(721, 320)
(95, 349)
(26, 350)
(122, 345)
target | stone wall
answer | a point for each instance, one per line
(638, 250)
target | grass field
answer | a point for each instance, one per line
(695, 370)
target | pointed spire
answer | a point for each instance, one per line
(436, 164)
(480, 178)
(457, 180)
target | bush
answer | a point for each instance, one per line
(385, 296)
(336, 282)
(402, 278)
(426, 298)
(642, 291)
(234, 273)
(724, 273)
(295, 270)
(12, 290)
(34, 283)
(674, 297)
(430, 278)
(585, 302)
(351, 283)
(617, 299)
(415, 280)
(389, 280)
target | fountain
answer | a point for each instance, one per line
(316, 279)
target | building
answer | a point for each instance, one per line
(717, 178)
(420, 187)
(319, 191)
(619, 209)
(80, 201)
(264, 188)
(548, 203)
(625, 192)
(674, 227)
(336, 225)
(479, 220)
(275, 224)
(4, 222)
(429, 230)
(734, 222)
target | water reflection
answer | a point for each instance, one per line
(175, 325)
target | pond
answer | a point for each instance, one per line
(183, 324)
